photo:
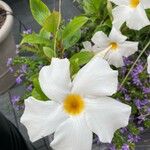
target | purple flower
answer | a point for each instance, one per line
(11, 69)
(141, 118)
(133, 138)
(9, 62)
(125, 147)
(29, 88)
(15, 99)
(146, 90)
(112, 147)
(127, 61)
(135, 75)
(141, 103)
(23, 68)
(127, 97)
(18, 79)
(123, 130)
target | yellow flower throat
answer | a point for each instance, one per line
(73, 104)
(134, 3)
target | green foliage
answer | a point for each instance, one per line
(72, 40)
(147, 123)
(133, 129)
(39, 11)
(49, 52)
(37, 92)
(73, 26)
(52, 22)
(79, 59)
(35, 39)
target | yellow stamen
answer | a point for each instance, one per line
(134, 3)
(73, 104)
(114, 45)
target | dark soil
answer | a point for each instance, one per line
(2, 17)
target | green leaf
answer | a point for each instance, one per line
(37, 92)
(79, 59)
(45, 34)
(91, 6)
(74, 26)
(35, 39)
(39, 11)
(49, 52)
(52, 22)
(72, 40)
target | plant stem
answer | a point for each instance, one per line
(55, 36)
(144, 49)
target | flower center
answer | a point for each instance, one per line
(114, 45)
(134, 3)
(73, 104)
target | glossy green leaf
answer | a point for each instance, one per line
(80, 59)
(73, 26)
(35, 39)
(49, 52)
(39, 11)
(37, 92)
(72, 40)
(52, 22)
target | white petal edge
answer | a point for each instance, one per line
(100, 39)
(128, 48)
(116, 36)
(95, 79)
(148, 61)
(73, 134)
(55, 79)
(120, 15)
(145, 3)
(120, 2)
(115, 58)
(138, 19)
(105, 115)
(41, 118)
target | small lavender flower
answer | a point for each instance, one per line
(112, 147)
(23, 68)
(29, 88)
(123, 130)
(141, 103)
(133, 138)
(11, 69)
(146, 90)
(15, 99)
(125, 147)
(127, 97)
(18, 79)
(9, 62)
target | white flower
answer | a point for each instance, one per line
(78, 107)
(132, 12)
(148, 60)
(119, 47)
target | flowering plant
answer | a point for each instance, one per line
(79, 80)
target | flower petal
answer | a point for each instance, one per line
(115, 58)
(148, 60)
(116, 36)
(120, 2)
(100, 39)
(73, 134)
(87, 45)
(145, 3)
(128, 48)
(105, 115)
(120, 15)
(95, 79)
(41, 118)
(138, 19)
(55, 79)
